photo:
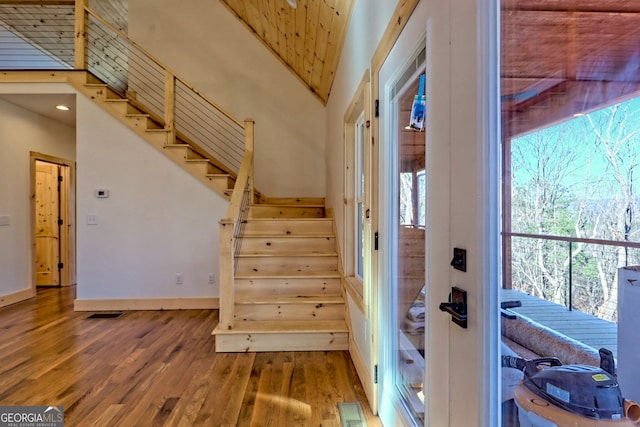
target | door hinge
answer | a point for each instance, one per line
(60, 179)
(375, 374)
(60, 222)
(60, 266)
(377, 108)
(375, 241)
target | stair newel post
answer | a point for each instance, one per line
(80, 48)
(248, 146)
(170, 105)
(227, 293)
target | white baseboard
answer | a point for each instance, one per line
(18, 296)
(130, 304)
(363, 371)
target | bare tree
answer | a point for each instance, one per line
(617, 138)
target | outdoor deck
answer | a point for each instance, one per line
(590, 330)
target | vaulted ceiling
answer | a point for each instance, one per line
(558, 57)
(308, 39)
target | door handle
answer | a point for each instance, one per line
(456, 306)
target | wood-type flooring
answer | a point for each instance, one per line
(159, 368)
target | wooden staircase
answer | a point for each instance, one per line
(287, 285)
(178, 148)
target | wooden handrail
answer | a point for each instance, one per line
(228, 239)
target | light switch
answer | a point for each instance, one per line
(92, 219)
(102, 193)
(4, 220)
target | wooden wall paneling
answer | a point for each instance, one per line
(313, 8)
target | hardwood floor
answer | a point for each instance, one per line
(159, 368)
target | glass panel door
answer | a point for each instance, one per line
(408, 277)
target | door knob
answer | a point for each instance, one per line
(456, 306)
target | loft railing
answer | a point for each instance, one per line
(68, 35)
(579, 273)
(232, 230)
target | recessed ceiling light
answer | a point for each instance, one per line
(62, 107)
(293, 3)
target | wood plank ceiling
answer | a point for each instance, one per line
(307, 39)
(565, 57)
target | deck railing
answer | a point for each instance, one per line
(67, 35)
(232, 228)
(579, 273)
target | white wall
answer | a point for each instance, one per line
(204, 43)
(368, 22)
(369, 19)
(21, 132)
(158, 220)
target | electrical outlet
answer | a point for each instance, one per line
(179, 279)
(211, 278)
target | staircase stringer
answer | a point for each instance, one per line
(181, 150)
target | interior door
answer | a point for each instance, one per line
(47, 228)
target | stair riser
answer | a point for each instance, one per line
(121, 106)
(199, 167)
(288, 228)
(142, 122)
(221, 183)
(293, 200)
(100, 92)
(288, 287)
(297, 311)
(277, 264)
(258, 342)
(288, 244)
(286, 212)
(157, 139)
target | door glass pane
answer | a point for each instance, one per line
(571, 143)
(409, 275)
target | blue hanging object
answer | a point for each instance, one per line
(418, 109)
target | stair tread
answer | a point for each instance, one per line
(282, 299)
(289, 219)
(268, 254)
(290, 274)
(287, 205)
(284, 326)
(317, 235)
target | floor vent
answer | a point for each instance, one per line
(105, 315)
(351, 415)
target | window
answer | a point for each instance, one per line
(359, 197)
(412, 199)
